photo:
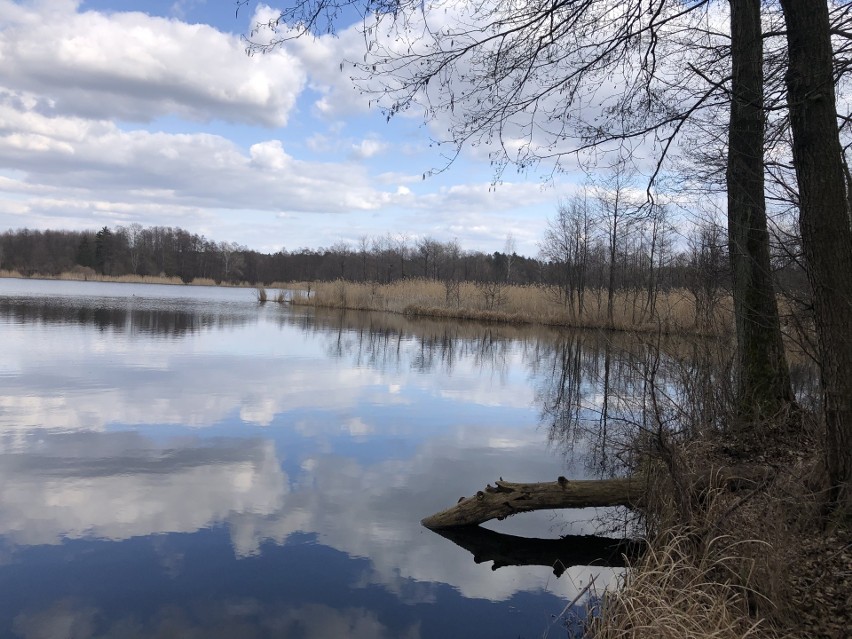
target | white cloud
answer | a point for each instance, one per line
(269, 155)
(78, 88)
(99, 161)
(369, 147)
(136, 67)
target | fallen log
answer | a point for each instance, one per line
(558, 554)
(510, 498)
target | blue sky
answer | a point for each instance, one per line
(119, 112)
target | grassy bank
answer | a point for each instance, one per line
(760, 562)
(674, 312)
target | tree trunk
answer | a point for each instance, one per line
(764, 383)
(510, 498)
(824, 223)
(610, 289)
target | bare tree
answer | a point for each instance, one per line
(134, 236)
(429, 251)
(619, 210)
(657, 228)
(566, 247)
(402, 249)
(452, 275)
(706, 270)
(509, 250)
(364, 252)
(231, 261)
(341, 252)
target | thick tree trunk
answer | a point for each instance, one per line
(510, 498)
(824, 222)
(764, 382)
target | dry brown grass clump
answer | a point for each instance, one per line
(681, 591)
(761, 561)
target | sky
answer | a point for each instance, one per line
(114, 112)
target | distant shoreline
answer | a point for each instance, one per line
(495, 302)
(126, 279)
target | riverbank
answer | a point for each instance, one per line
(671, 312)
(764, 562)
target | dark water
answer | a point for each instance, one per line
(182, 462)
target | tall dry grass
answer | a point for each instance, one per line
(676, 591)
(728, 564)
(675, 310)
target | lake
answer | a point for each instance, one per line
(181, 461)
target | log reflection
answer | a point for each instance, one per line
(558, 554)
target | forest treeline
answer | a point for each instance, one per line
(579, 252)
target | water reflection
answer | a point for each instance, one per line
(273, 464)
(134, 317)
(558, 554)
(595, 392)
(135, 528)
(119, 485)
(244, 618)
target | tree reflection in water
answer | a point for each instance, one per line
(134, 316)
(602, 396)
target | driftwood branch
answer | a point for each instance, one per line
(558, 554)
(509, 498)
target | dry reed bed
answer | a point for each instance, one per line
(675, 310)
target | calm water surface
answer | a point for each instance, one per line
(183, 462)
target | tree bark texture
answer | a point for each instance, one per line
(510, 498)
(824, 222)
(764, 382)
